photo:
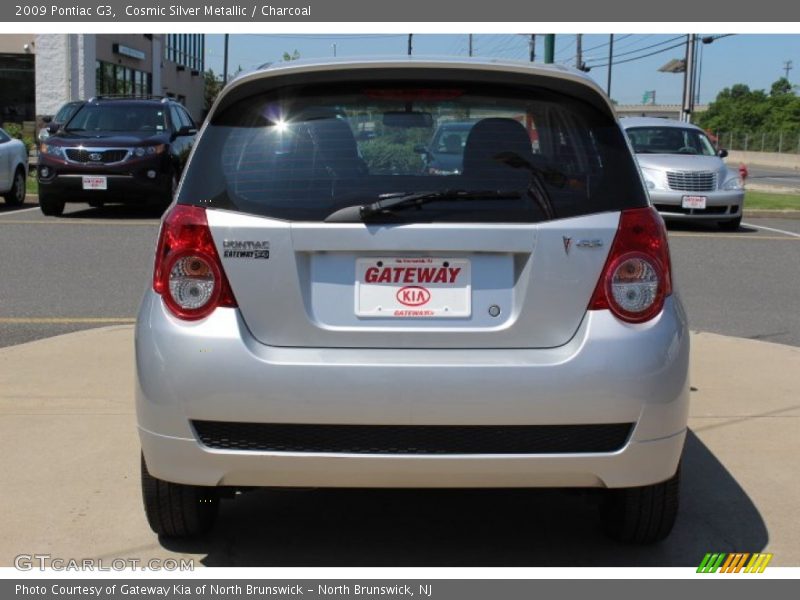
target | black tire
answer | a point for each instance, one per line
(175, 509)
(731, 225)
(642, 515)
(16, 195)
(50, 205)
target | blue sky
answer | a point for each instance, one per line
(756, 60)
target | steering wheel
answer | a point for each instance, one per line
(687, 150)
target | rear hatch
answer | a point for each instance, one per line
(333, 233)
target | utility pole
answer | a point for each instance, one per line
(688, 78)
(225, 62)
(549, 47)
(470, 44)
(610, 62)
(579, 51)
(699, 69)
(787, 66)
(532, 47)
(410, 37)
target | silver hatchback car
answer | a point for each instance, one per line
(326, 312)
(684, 174)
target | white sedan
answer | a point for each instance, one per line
(13, 169)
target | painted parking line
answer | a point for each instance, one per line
(735, 236)
(63, 320)
(765, 228)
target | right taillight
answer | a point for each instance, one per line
(636, 277)
(188, 273)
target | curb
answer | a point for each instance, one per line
(770, 214)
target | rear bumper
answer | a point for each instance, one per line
(720, 205)
(608, 373)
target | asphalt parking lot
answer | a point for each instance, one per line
(90, 267)
(70, 459)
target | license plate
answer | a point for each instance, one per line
(694, 202)
(95, 182)
(398, 288)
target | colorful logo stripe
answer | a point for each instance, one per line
(734, 562)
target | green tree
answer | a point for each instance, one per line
(781, 87)
(213, 86)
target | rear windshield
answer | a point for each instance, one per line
(302, 153)
(670, 140)
(119, 117)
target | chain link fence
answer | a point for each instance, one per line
(785, 142)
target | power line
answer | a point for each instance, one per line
(634, 51)
(620, 38)
(621, 62)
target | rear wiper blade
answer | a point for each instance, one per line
(388, 203)
(391, 202)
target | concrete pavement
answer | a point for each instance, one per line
(70, 479)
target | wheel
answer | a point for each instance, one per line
(175, 509)
(16, 195)
(731, 225)
(50, 205)
(642, 515)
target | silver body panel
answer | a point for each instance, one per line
(304, 294)
(215, 370)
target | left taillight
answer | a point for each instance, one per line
(188, 273)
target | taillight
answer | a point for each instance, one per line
(188, 273)
(636, 278)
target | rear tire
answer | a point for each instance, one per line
(16, 195)
(175, 509)
(732, 225)
(642, 515)
(51, 206)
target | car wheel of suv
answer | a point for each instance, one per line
(52, 207)
(175, 509)
(642, 515)
(16, 195)
(731, 225)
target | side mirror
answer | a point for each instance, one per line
(52, 128)
(185, 130)
(421, 149)
(722, 153)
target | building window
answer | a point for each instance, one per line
(112, 79)
(187, 50)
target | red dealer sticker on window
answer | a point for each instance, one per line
(413, 287)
